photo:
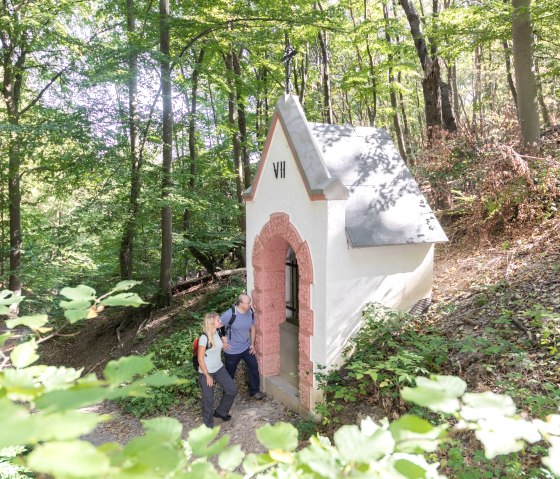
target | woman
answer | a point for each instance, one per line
(211, 370)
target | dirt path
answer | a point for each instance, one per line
(247, 416)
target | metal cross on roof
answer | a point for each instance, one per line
(289, 53)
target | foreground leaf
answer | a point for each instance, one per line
(123, 299)
(24, 354)
(230, 458)
(80, 292)
(69, 458)
(33, 322)
(126, 368)
(413, 434)
(278, 436)
(439, 393)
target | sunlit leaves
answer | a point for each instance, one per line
(69, 459)
(230, 458)
(439, 393)
(8, 298)
(278, 436)
(126, 368)
(24, 354)
(79, 293)
(413, 434)
(33, 322)
(200, 441)
(123, 299)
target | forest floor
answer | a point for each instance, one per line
(474, 285)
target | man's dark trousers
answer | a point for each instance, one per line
(231, 362)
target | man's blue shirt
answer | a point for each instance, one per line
(240, 338)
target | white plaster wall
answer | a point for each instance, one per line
(289, 195)
(396, 276)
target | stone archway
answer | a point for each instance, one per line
(269, 257)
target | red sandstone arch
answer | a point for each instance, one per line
(269, 300)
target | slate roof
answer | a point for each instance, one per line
(361, 164)
(385, 205)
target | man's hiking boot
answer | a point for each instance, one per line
(227, 417)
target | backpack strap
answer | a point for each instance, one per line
(231, 321)
(205, 347)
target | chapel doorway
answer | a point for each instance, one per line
(283, 275)
(289, 330)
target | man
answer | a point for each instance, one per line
(239, 343)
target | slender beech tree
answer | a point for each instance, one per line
(392, 93)
(167, 152)
(525, 79)
(127, 242)
(23, 35)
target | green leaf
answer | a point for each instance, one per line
(3, 338)
(439, 393)
(62, 426)
(486, 405)
(69, 458)
(409, 469)
(76, 304)
(123, 299)
(20, 384)
(24, 354)
(72, 398)
(33, 322)
(255, 463)
(125, 368)
(75, 315)
(200, 438)
(149, 451)
(354, 446)
(126, 285)
(278, 436)
(8, 298)
(80, 292)
(17, 424)
(166, 428)
(158, 379)
(230, 458)
(413, 434)
(320, 459)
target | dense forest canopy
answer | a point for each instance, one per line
(129, 129)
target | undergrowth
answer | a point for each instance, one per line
(393, 347)
(485, 185)
(173, 355)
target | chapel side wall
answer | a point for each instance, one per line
(396, 276)
(289, 195)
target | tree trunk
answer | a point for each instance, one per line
(327, 101)
(241, 121)
(455, 88)
(192, 138)
(167, 138)
(237, 165)
(544, 110)
(127, 242)
(510, 81)
(448, 116)
(522, 34)
(14, 199)
(392, 94)
(430, 82)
